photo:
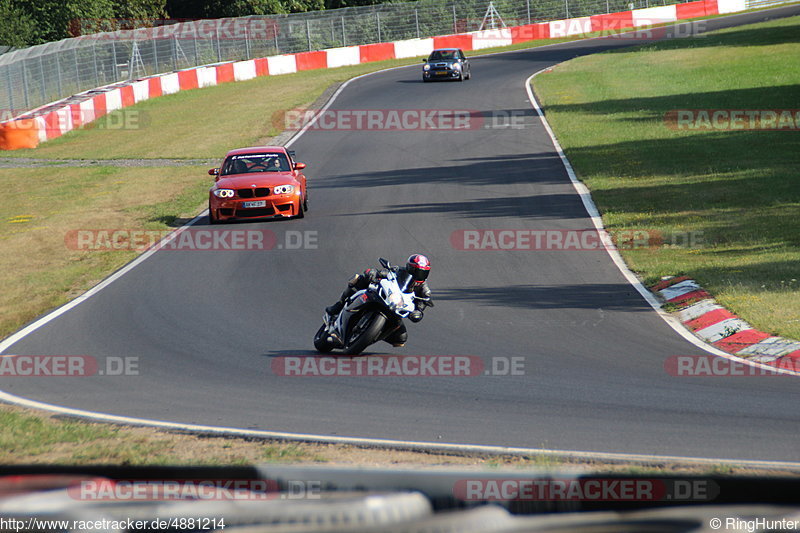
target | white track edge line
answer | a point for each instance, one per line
(30, 328)
(419, 445)
(616, 257)
(584, 194)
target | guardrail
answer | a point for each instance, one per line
(55, 119)
(32, 77)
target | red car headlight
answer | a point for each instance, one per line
(223, 193)
(283, 189)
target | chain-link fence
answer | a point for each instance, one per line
(35, 76)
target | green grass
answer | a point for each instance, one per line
(38, 269)
(737, 190)
(39, 272)
(33, 438)
(206, 123)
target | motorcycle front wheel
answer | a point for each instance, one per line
(321, 341)
(365, 332)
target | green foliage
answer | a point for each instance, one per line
(17, 28)
(239, 8)
(54, 18)
(140, 9)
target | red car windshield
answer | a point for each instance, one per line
(249, 163)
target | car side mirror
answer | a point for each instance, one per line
(213, 172)
(299, 166)
(424, 60)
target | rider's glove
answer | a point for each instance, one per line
(415, 316)
(383, 273)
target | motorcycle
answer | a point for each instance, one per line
(370, 315)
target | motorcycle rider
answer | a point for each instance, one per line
(411, 277)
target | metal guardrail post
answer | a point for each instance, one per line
(94, 61)
(25, 84)
(308, 34)
(344, 37)
(416, 20)
(114, 68)
(455, 23)
(219, 49)
(378, 21)
(41, 85)
(10, 90)
(155, 56)
(58, 72)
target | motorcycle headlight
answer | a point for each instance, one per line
(426, 67)
(396, 300)
(283, 189)
(223, 193)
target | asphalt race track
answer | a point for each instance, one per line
(207, 326)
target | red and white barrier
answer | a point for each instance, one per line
(719, 327)
(654, 15)
(569, 27)
(286, 64)
(58, 118)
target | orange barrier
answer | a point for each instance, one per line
(19, 134)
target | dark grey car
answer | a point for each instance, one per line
(446, 64)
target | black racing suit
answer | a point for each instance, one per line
(371, 275)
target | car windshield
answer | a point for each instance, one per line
(249, 163)
(442, 54)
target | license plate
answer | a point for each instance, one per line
(442, 73)
(257, 203)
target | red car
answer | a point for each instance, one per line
(257, 182)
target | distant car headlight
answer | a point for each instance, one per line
(283, 189)
(426, 67)
(223, 193)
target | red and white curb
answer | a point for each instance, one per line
(55, 119)
(714, 324)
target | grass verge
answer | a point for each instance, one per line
(734, 193)
(39, 268)
(30, 437)
(42, 273)
(39, 271)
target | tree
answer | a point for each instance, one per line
(17, 28)
(58, 19)
(144, 10)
